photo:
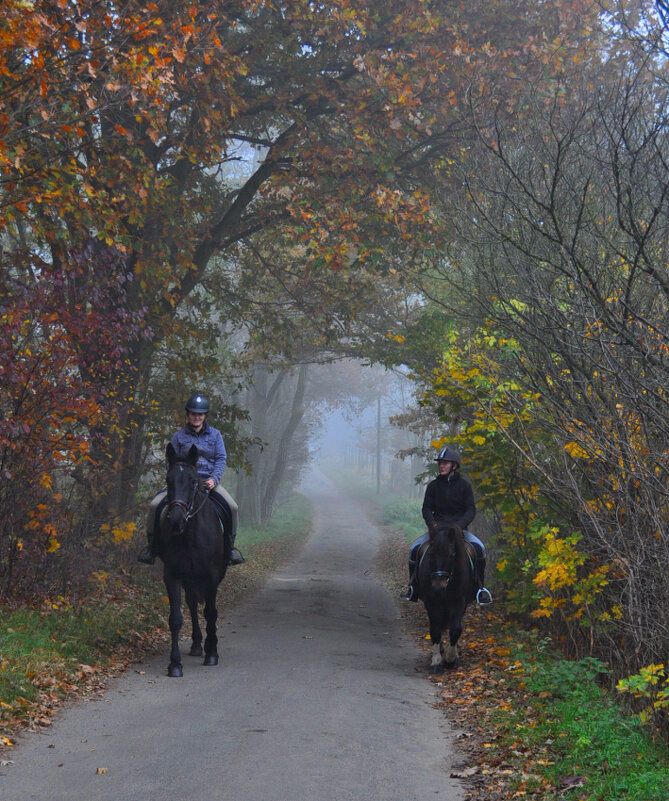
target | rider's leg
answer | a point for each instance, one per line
(148, 555)
(236, 557)
(410, 591)
(483, 596)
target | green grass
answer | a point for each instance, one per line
(595, 749)
(293, 519)
(58, 639)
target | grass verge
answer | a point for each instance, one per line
(533, 725)
(66, 649)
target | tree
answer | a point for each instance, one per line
(559, 361)
(146, 148)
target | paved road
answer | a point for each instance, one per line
(317, 697)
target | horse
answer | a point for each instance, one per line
(446, 585)
(195, 552)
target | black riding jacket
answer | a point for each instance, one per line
(449, 499)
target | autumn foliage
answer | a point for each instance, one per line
(171, 170)
(152, 154)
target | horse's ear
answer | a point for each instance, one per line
(192, 454)
(170, 453)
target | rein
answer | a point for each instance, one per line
(190, 512)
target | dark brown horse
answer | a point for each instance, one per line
(446, 585)
(195, 554)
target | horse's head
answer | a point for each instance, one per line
(182, 484)
(444, 555)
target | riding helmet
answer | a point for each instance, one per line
(197, 403)
(448, 455)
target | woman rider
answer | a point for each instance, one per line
(449, 499)
(210, 466)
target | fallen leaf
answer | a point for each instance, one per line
(464, 774)
(573, 781)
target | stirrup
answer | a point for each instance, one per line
(483, 597)
(407, 593)
(236, 558)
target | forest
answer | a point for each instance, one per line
(228, 195)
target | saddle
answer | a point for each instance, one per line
(472, 554)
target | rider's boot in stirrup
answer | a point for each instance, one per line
(483, 596)
(409, 592)
(146, 555)
(236, 557)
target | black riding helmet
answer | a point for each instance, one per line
(448, 455)
(197, 403)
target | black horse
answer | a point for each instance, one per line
(195, 552)
(446, 585)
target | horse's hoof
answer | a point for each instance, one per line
(175, 671)
(210, 659)
(451, 665)
(435, 670)
(196, 650)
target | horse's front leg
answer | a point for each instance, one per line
(196, 631)
(211, 640)
(436, 627)
(173, 587)
(451, 654)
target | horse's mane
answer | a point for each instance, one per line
(452, 531)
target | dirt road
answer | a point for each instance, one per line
(317, 697)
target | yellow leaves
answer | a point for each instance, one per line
(615, 613)
(569, 588)
(576, 450)
(53, 545)
(99, 577)
(121, 533)
(650, 683)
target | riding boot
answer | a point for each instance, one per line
(410, 591)
(483, 596)
(236, 557)
(147, 555)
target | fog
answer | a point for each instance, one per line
(356, 428)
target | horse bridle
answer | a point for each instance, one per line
(447, 574)
(442, 574)
(188, 507)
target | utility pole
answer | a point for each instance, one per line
(378, 445)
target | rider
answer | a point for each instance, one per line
(449, 499)
(210, 466)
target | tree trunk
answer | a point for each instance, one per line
(276, 407)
